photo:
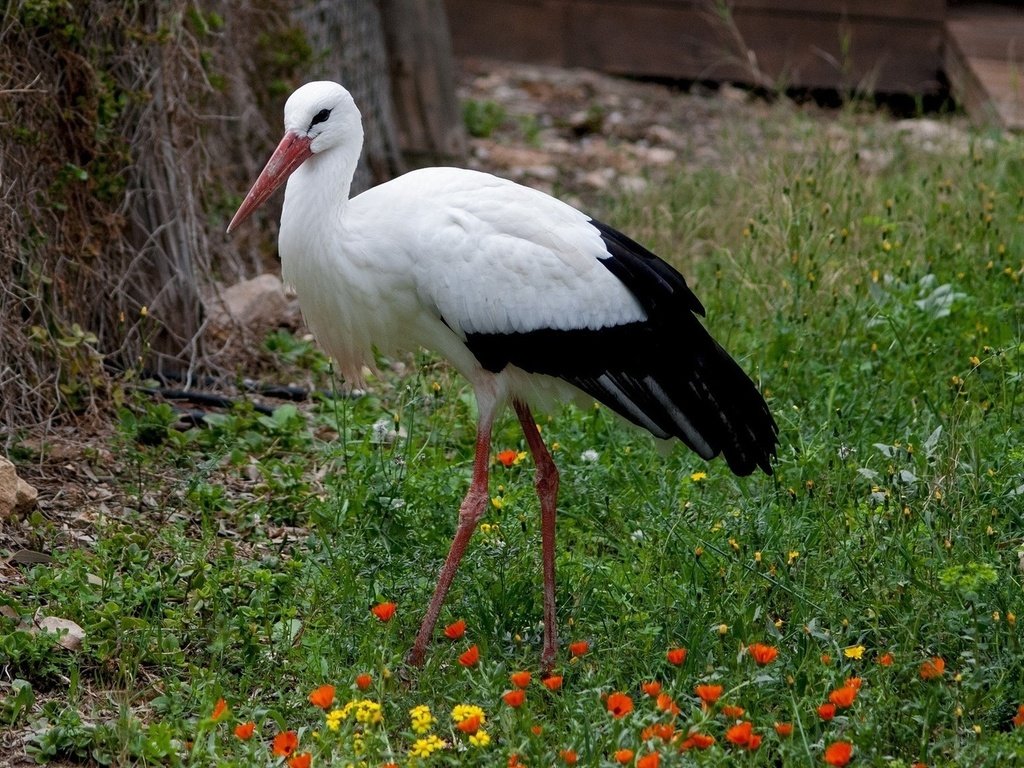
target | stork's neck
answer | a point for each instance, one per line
(318, 190)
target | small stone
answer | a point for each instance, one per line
(259, 305)
(70, 634)
(16, 496)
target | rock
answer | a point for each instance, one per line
(16, 496)
(661, 135)
(657, 155)
(258, 305)
(70, 635)
(935, 136)
(733, 94)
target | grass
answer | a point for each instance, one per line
(882, 314)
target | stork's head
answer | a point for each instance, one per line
(317, 117)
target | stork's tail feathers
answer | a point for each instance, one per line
(701, 397)
(726, 410)
(671, 378)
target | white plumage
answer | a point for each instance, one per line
(526, 296)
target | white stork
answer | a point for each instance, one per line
(527, 297)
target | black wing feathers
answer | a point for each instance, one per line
(666, 373)
(653, 281)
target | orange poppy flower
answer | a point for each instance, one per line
(838, 753)
(1018, 719)
(301, 760)
(650, 760)
(322, 697)
(785, 730)
(843, 697)
(455, 630)
(579, 648)
(697, 740)
(470, 725)
(219, 710)
(853, 682)
(619, 704)
(663, 731)
(762, 654)
(507, 458)
(470, 657)
(536, 730)
(827, 711)
(826, 659)
(514, 698)
(553, 683)
(708, 693)
(284, 743)
(666, 704)
(740, 733)
(676, 656)
(652, 689)
(755, 741)
(886, 659)
(384, 611)
(933, 668)
(732, 711)
(569, 757)
(514, 761)
(520, 679)
(244, 731)
(363, 681)
(623, 756)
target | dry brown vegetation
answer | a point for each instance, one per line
(129, 133)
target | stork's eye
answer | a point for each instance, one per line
(320, 117)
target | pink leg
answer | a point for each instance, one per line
(547, 491)
(472, 509)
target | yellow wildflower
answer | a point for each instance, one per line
(698, 477)
(497, 502)
(365, 710)
(422, 718)
(465, 711)
(426, 746)
(334, 718)
(480, 739)
(854, 652)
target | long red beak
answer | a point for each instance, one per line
(292, 152)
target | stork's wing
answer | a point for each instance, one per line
(531, 282)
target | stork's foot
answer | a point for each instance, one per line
(416, 656)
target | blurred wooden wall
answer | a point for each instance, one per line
(867, 45)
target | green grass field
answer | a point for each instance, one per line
(881, 312)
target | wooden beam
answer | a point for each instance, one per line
(984, 60)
